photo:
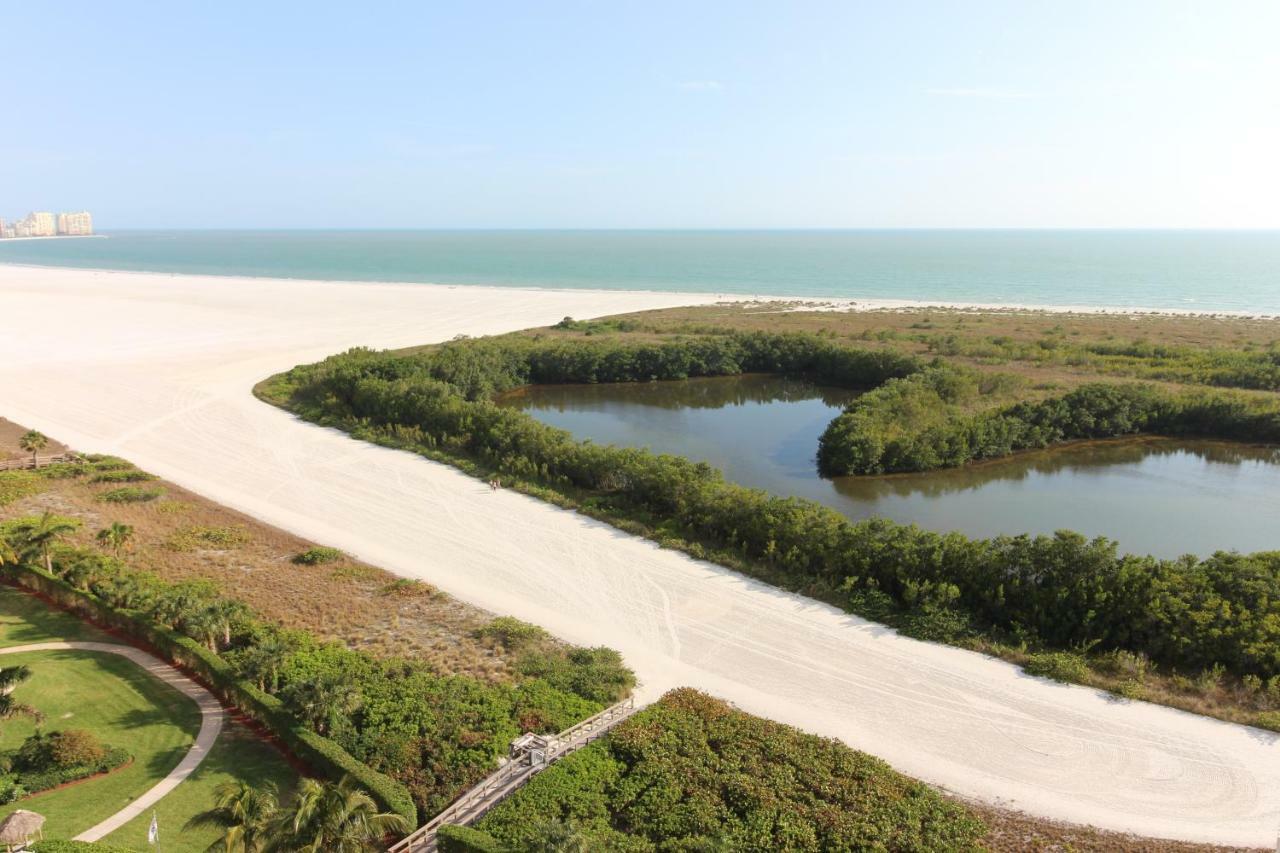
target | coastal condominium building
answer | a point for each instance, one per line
(79, 224)
(45, 224)
(39, 224)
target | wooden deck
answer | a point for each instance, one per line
(26, 462)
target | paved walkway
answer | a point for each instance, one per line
(211, 718)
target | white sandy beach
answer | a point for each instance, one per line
(159, 368)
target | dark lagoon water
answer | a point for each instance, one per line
(1159, 496)
(1196, 270)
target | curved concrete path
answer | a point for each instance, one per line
(211, 718)
(159, 369)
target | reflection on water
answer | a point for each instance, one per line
(1160, 496)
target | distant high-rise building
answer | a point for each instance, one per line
(79, 224)
(40, 224)
(44, 224)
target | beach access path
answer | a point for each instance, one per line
(158, 368)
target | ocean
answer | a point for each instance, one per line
(1205, 271)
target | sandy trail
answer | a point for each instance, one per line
(158, 368)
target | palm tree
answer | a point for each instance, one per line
(334, 818)
(318, 700)
(125, 589)
(227, 612)
(116, 537)
(41, 534)
(33, 442)
(11, 677)
(262, 661)
(8, 556)
(203, 625)
(245, 815)
(177, 604)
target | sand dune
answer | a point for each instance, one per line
(159, 368)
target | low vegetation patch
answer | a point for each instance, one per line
(692, 773)
(17, 484)
(318, 555)
(47, 760)
(197, 536)
(130, 495)
(122, 475)
(409, 588)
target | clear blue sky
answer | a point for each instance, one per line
(645, 114)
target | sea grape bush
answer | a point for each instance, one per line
(692, 773)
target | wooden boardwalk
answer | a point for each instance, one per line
(27, 462)
(495, 788)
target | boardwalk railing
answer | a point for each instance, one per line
(501, 784)
(28, 462)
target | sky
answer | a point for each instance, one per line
(790, 114)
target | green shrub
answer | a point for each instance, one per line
(513, 633)
(130, 495)
(123, 475)
(464, 839)
(99, 462)
(1268, 720)
(318, 556)
(59, 749)
(17, 484)
(46, 760)
(409, 588)
(195, 537)
(1131, 688)
(63, 471)
(53, 776)
(59, 846)
(692, 773)
(1067, 667)
(11, 791)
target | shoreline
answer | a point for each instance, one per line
(4, 240)
(803, 303)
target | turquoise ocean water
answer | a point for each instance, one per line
(1195, 270)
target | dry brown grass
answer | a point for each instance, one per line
(1015, 832)
(9, 435)
(906, 330)
(1019, 325)
(182, 535)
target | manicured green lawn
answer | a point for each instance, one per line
(120, 703)
(125, 707)
(238, 754)
(26, 619)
